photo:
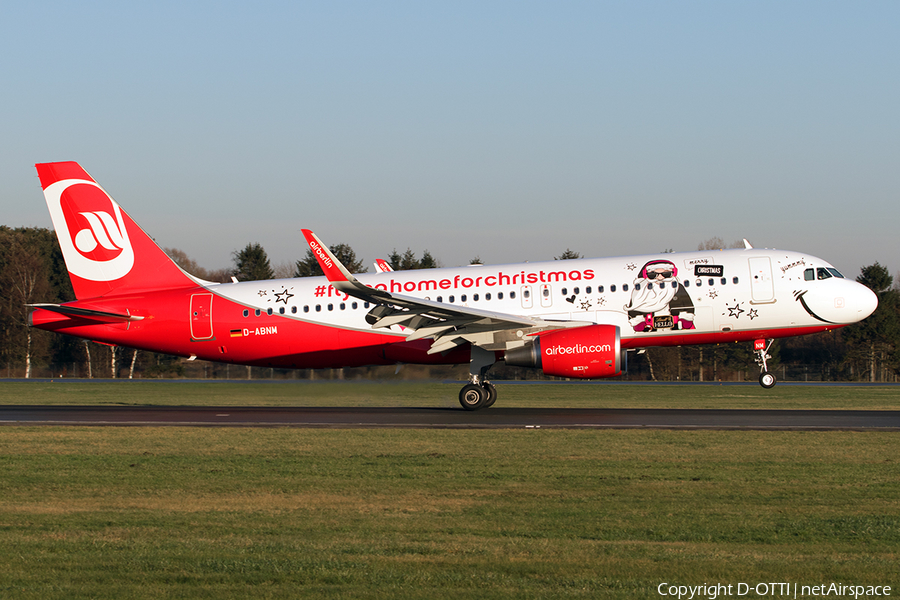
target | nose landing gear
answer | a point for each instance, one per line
(761, 347)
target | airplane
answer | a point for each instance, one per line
(574, 318)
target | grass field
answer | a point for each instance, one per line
(304, 513)
(336, 393)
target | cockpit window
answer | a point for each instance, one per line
(809, 274)
(822, 273)
(835, 272)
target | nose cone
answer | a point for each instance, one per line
(839, 301)
(867, 302)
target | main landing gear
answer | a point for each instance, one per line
(479, 392)
(761, 347)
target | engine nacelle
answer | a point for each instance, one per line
(592, 351)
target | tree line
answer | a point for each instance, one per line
(32, 270)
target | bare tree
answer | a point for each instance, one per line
(190, 265)
(24, 281)
(717, 243)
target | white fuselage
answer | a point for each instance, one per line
(690, 296)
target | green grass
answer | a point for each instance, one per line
(113, 512)
(560, 395)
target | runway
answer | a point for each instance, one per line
(442, 418)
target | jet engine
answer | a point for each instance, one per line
(592, 351)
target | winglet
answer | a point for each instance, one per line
(337, 274)
(383, 266)
(331, 266)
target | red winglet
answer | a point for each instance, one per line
(331, 266)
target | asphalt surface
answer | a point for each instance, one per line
(508, 418)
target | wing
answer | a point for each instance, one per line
(449, 325)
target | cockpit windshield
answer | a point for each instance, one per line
(821, 273)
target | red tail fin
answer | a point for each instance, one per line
(105, 251)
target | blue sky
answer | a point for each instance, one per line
(507, 130)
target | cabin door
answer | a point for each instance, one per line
(201, 316)
(762, 286)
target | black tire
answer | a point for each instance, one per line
(491, 392)
(472, 397)
(767, 380)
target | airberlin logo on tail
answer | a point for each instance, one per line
(90, 229)
(102, 231)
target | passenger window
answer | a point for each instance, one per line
(463, 298)
(365, 305)
(587, 290)
(637, 286)
(711, 281)
(343, 306)
(699, 283)
(475, 297)
(675, 285)
(687, 283)
(331, 307)
(575, 290)
(735, 280)
(565, 291)
(546, 292)
(440, 298)
(512, 295)
(723, 281)
(258, 312)
(354, 306)
(318, 308)
(487, 296)
(612, 288)
(281, 310)
(293, 310)
(625, 287)
(526, 293)
(499, 295)
(306, 309)
(452, 299)
(246, 313)
(599, 289)
(269, 312)
(809, 275)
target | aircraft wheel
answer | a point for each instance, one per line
(473, 397)
(491, 394)
(767, 380)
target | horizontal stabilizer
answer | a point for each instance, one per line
(87, 313)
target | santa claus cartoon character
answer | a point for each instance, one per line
(658, 300)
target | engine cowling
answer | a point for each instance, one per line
(593, 351)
